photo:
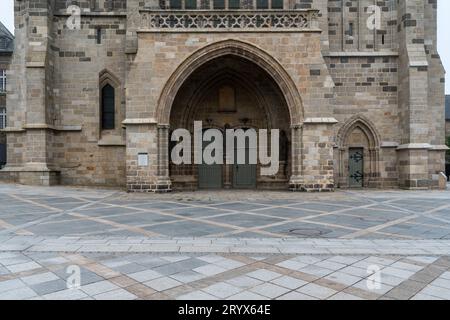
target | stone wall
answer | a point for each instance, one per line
(5, 61)
(389, 83)
(348, 29)
(90, 156)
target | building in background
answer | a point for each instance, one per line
(447, 131)
(447, 115)
(6, 51)
(359, 104)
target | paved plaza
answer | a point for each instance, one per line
(59, 211)
(223, 245)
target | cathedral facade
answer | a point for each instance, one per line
(97, 88)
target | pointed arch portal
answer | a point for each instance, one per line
(242, 50)
(231, 85)
(358, 148)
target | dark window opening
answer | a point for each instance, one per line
(190, 4)
(350, 29)
(99, 35)
(277, 4)
(262, 4)
(175, 4)
(108, 107)
(234, 4)
(219, 4)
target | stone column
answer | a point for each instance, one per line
(32, 93)
(163, 183)
(418, 74)
(228, 176)
(374, 179)
(343, 171)
(436, 96)
(296, 179)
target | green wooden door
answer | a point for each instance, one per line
(244, 175)
(209, 176)
(356, 168)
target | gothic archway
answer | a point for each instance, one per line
(357, 153)
(231, 92)
(240, 49)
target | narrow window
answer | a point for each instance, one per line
(234, 4)
(3, 118)
(2, 80)
(190, 4)
(350, 29)
(99, 35)
(262, 4)
(219, 4)
(175, 4)
(382, 39)
(108, 107)
(277, 4)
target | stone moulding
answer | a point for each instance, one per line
(362, 54)
(422, 146)
(140, 121)
(43, 127)
(389, 144)
(320, 121)
(229, 20)
(88, 13)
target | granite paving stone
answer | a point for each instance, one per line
(224, 245)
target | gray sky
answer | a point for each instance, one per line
(7, 8)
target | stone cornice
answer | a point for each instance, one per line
(362, 54)
(389, 144)
(422, 146)
(414, 146)
(12, 129)
(139, 121)
(88, 13)
(320, 121)
(40, 126)
(440, 148)
(38, 64)
(226, 30)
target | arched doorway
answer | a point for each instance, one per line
(357, 154)
(231, 92)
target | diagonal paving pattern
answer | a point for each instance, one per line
(346, 215)
(223, 245)
(110, 276)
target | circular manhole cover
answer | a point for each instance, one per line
(309, 232)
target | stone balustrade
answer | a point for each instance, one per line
(228, 20)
